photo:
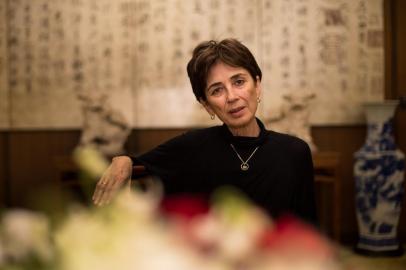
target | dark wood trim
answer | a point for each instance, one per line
(390, 48)
(7, 175)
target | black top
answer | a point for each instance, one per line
(279, 178)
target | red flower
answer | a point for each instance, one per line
(290, 235)
(185, 206)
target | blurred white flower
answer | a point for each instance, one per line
(26, 233)
(125, 235)
(132, 233)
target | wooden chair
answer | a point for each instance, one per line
(327, 172)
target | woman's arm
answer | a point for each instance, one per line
(163, 161)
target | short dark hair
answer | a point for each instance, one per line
(229, 51)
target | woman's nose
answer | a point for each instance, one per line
(231, 94)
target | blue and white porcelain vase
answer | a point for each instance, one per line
(379, 175)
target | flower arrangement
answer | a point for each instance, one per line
(141, 230)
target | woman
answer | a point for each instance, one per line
(275, 170)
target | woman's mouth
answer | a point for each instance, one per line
(236, 112)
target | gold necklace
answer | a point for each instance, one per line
(244, 165)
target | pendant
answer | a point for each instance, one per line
(245, 166)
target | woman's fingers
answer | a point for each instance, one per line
(101, 187)
(107, 192)
(98, 193)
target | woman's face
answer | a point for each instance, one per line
(232, 95)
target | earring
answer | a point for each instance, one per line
(258, 100)
(212, 116)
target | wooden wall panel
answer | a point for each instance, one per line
(32, 165)
(3, 168)
(141, 140)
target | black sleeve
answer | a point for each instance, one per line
(304, 204)
(165, 160)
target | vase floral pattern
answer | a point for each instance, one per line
(379, 176)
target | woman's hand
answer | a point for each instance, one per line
(116, 175)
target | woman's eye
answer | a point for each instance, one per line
(216, 91)
(239, 82)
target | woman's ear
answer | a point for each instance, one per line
(258, 87)
(206, 105)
